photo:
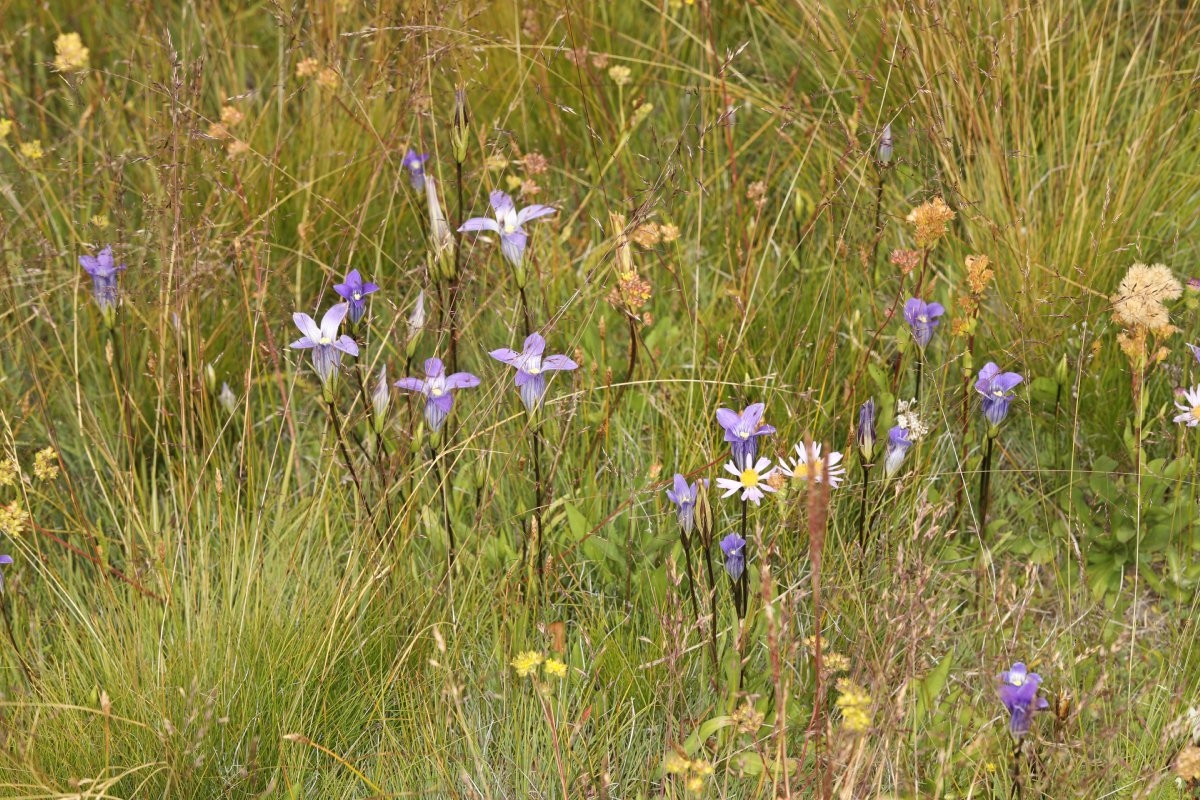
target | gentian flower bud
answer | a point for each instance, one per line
(460, 129)
(381, 398)
(885, 145)
(866, 431)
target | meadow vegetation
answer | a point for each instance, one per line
(245, 562)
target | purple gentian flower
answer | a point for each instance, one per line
(922, 317)
(684, 498)
(531, 367)
(897, 448)
(354, 291)
(508, 223)
(414, 162)
(5, 560)
(996, 388)
(438, 388)
(866, 430)
(742, 430)
(325, 343)
(734, 548)
(1019, 693)
(104, 281)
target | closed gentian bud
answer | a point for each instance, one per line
(440, 235)
(381, 398)
(210, 379)
(866, 431)
(703, 514)
(460, 130)
(416, 323)
(897, 448)
(227, 399)
(885, 145)
(734, 548)
(1062, 373)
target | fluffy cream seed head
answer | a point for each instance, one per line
(1139, 299)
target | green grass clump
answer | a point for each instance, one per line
(224, 585)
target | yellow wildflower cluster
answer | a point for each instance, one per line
(13, 519)
(99, 220)
(979, 273)
(640, 114)
(45, 464)
(694, 773)
(10, 472)
(906, 260)
(306, 68)
(527, 663)
(6, 126)
(930, 221)
(747, 719)
(855, 705)
(328, 78)
(621, 76)
(631, 293)
(646, 235)
(32, 149)
(69, 53)
(1141, 294)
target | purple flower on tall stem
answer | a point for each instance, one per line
(1195, 351)
(743, 430)
(1019, 693)
(438, 388)
(5, 560)
(414, 162)
(326, 344)
(734, 548)
(104, 281)
(885, 144)
(922, 318)
(531, 367)
(996, 389)
(354, 291)
(866, 430)
(684, 498)
(897, 448)
(509, 223)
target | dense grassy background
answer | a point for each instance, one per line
(202, 605)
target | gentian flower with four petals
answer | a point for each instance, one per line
(684, 498)
(922, 318)
(326, 344)
(354, 291)
(509, 223)
(996, 388)
(1019, 693)
(104, 282)
(742, 430)
(437, 388)
(531, 367)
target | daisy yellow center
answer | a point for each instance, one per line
(325, 340)
(1196, 412)
(749, 478)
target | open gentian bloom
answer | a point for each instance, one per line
(1190, 408)
(684, 497)
(805, 456)
(326, 344)
(742, 430)
(751, 480)
(414, 162)
(734, 548)
(5, 560)
(897, 448)
(104, 281)
(1019, 693)
(509, 224)
(996, 388)
(437, 388)
(866, 430)
(922, 318)
(354, 291)
(531, 367)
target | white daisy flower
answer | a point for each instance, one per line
(1191, 411)
(750, 481)
(799, 465)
